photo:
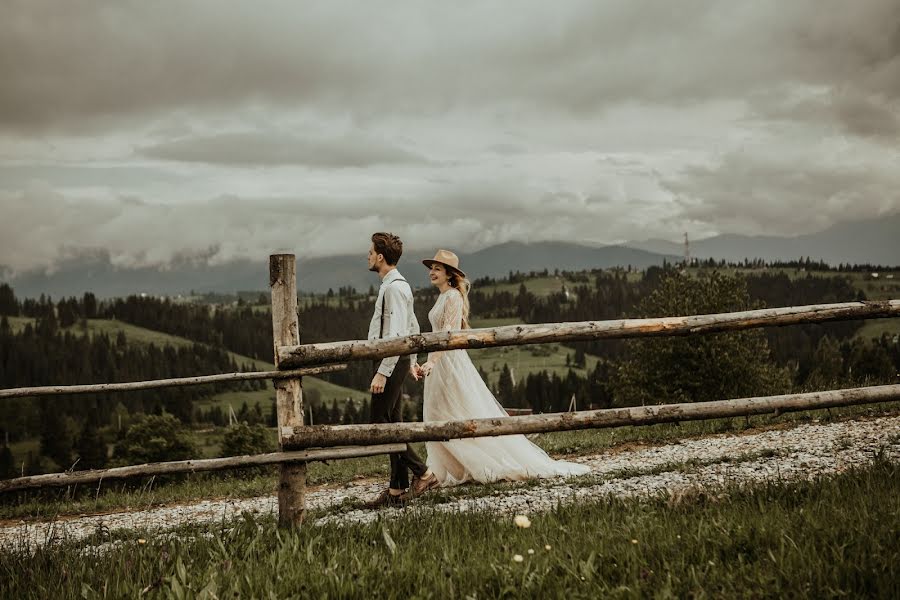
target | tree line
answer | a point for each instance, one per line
(696, 368)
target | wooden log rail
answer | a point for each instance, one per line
(59, 390)
(514, 335)
(191, 466)
(366, 440)
(346, 435)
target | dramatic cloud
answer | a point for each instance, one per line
(217, 129)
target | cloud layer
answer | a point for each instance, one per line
(227, 130)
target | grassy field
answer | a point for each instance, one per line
(539, 286)
(777, 540)
(875, 328)
(527, 359)
(137, 494)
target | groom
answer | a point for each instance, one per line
(394, 317)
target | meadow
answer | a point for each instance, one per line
(780, 539)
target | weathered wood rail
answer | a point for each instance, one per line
(434, 431)
(191, 466)
(300, 444)
(293, 356)
(130, 386)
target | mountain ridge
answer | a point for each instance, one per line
(863, 242)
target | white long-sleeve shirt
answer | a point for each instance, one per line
(395, 299)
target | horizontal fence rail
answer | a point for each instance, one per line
(345, 435)
(130, 386)
(192, 466)
(369, 440)
(514, 335)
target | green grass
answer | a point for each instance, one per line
(875, 328)
(137, 494)
(775, 540)
(527, 359)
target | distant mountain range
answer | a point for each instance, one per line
(97, 274)
(874, 241)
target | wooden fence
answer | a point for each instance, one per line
(301, 444)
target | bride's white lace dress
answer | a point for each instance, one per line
(454, 390)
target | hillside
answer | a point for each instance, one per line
(141, 335)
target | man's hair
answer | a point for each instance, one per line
(389, 246)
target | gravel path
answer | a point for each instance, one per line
(677, 469)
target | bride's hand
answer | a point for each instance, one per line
(426, 368)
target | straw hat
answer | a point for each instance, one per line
(446, 258)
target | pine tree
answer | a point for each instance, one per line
(56, 442)
(7, 465)
(91, 448)
(351, 415)
(505, 387)
(8, 303)
(580, 359)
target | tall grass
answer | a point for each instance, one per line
(825, 538)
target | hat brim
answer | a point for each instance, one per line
(430, 261)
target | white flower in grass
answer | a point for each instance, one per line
(547, 547)
(530, 551)
(518, 558)
(522, 521)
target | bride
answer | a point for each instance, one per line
(454, 390)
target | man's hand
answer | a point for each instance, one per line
(414, 371)
(378, 383)
(426, 368)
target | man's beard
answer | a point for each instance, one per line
(373, 268)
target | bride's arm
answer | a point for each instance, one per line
(451, 320)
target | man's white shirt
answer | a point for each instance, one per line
(395, 299)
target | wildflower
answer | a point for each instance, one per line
(530, 551)
(634, 541)
(522, 521)
(547, 547)
(518, 558)
(142, 541)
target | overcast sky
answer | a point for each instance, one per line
(235, 129)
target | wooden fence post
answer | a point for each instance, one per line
(288, 392)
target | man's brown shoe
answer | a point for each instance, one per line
(385, 498)
(420, 486)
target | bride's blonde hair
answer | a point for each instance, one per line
(461, 283)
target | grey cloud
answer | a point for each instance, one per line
(84, 64)
(478, 123)
(868, 117)
(755, 194)
(272, 149)
(18, 176)
(137, 232)
(846, 109)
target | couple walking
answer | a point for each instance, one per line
(454, 389)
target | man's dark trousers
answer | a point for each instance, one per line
(387, 407)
